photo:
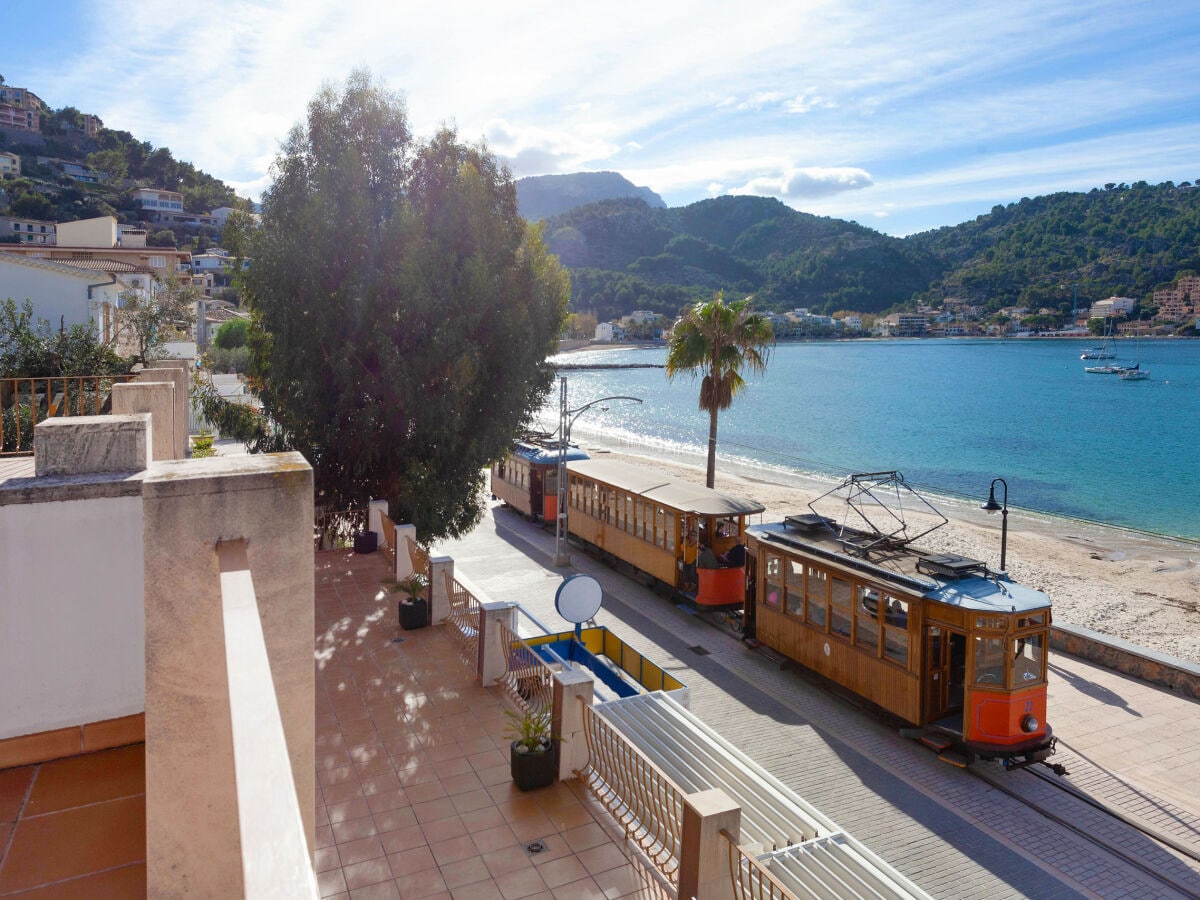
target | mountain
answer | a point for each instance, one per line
(624, 254)
(543, 196)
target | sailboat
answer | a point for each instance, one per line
(1135, 372)
(1105, 350)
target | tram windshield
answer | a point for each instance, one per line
(1027, 660)
(989, 661)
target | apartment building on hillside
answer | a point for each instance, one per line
(20, 108)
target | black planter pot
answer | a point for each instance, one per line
(533, 770)
(366, 542)
(414, 614)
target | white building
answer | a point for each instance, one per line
(64, 294)
(605, 332)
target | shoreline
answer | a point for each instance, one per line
(1137, 586)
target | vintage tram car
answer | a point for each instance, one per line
(936, 639)
(527, 478)
(642, 517)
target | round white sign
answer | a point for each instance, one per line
(578, 598)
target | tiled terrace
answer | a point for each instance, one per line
(412, 768)
(414, 797)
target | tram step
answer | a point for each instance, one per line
(955, 759)
(778, 658)
(938, 742)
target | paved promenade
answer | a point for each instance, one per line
(1127, 745)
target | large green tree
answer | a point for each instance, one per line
(403, 310)
(718, 341)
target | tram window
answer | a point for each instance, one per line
(673, 522)
(660, 528)
(866, 614)
(639, 526)
(895, 644)
(839, 608)
(1027, 660)
(629, 514)
(895, 611)
(989, 661)
(772, 583)
(795, 588)
(990, 623)
(816, 596)
(1029, 621)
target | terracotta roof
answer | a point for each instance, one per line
(102, 265)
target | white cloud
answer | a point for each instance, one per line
(759, 100)
(808, 101)
(537, 151)
(806, 183)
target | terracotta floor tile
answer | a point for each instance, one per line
(370, 871)
(75, 842)
(462, 784)
(585, 837)
(585, 889)
(520, 884)
(527, 828)
(391, 819)
(326, 858)
(324, 836)
(419, 793)
(495, 838)
(501, 862)
(620, 882)
(418, 859)
(106, 775)
(420, 884)
(353, 829)
(400, 840)
(350, 809)
(362, 849)
(331, 882)
(465, 871)
(14, 788)
(478, 819)
(602, 858)
(553, 847)
(340, 793)
(453, 849)
(562, 871)
(472, 800)
(125, 883)
(388, 800)
(444, 829)
(434, 810)
(384, 890)
(479, 890)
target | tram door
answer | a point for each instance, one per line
(945, 668)
(751, 602)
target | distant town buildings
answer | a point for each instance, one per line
(20, 108)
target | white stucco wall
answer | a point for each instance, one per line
(72, 626)
(57, 296)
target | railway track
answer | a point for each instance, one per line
(1100, 824)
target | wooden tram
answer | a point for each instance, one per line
(527, 478)
(936, 639)
(642, 517)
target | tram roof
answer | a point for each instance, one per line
(536, 453)
(899, 565)
(660, 488)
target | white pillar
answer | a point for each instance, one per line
(439, 595)
(573, 690)
(703, 852)
(404, 534)
(376, 509)
(493, 654)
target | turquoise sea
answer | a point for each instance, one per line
(950, 414)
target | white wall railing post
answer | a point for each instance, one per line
(573, 691)
(404, 534)
(703, 852)
(439, 597)
(493, 654)
(376, 510)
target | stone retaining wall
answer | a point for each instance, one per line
(1129, 659)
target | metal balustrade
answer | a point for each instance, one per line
(527, 680)
(336, 528)
(642, 798)
(464, 619)
(26, 401)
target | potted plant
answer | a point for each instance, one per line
(414, 609)
(366, 542)
(533, 759)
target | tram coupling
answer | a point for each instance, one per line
(1038, 756)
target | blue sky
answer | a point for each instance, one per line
(902, 116)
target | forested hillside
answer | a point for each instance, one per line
(624, 255)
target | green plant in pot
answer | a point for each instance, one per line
(533, 759)
(414, 609)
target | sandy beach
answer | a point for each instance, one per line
(1142, 588)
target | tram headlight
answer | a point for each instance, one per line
(1029, 724)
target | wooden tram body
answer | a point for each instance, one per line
(642, 517)
(935, 639)
(527, 478)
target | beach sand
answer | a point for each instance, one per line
(1142, 588)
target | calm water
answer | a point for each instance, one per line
(950, 414)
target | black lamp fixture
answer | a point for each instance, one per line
(992, 506)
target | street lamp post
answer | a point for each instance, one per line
(992, 506)
(566, 418)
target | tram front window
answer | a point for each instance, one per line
(989, 661)
(1027, 660)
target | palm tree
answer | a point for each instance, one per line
(719, 340)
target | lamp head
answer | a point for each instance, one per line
(991, 506)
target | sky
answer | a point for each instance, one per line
(900, 116)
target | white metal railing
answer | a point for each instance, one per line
(527, 680)
(642, 798)
(275, 854)
(464, 619)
